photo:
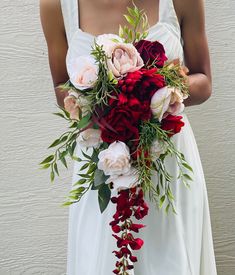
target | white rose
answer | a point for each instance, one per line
(167, 100)
(124, 181)
(83, 72)
(90, 138)
(115, 160)
(157, 148)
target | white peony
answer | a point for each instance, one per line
(89, 138)
(83, 72)
(124, 181)
(115, 160)
(167, 100)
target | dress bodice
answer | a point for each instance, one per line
(166, 31)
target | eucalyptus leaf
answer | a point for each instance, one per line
(104, 195)
(99, 177)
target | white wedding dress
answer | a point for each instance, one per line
(179, 244)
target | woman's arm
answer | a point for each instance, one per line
(53, 28)
(195, 50)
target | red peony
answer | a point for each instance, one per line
(173, 124)
(151, 52)
(124, 124)
(142, 84)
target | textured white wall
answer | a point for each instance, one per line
(33, 228)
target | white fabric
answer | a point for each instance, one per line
(174, 245)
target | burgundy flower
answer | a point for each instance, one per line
(142, 87)
(123, 121)
(151, 52)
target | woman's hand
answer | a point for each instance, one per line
(53, 27)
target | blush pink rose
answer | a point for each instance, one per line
(71, 106)
(83, 72)
(165, 101)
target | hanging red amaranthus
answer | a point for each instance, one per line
(130, 202)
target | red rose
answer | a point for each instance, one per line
(151, 52)
(124, 123)
(173, 124)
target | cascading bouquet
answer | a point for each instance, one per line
(123, 103)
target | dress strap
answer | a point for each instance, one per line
(167, 14)
(70, 16)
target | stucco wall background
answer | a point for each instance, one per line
(33, 226)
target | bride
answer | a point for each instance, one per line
(176, 245)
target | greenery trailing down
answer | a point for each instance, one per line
(160, 192)
(65, 144)
(138, 25)
(105, 86)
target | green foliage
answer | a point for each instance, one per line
(138, 25)
(104, 195)
(161, 191)
(173, 78)
(105, 84)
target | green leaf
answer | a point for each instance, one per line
(78, 191)
(67, 203)
(162, 199)
(45, 166)
(94, 156)
(131, 11)
(84, 121)
(63, 160)
(186, 165)
(76, 158)
(52, 176)
(84, 166)
(167, 208)
(92, 168)
(129, 20)
(54, 143)
(187, 177)
(73, 125)
(99, 177)
(47, 159)
(56, 168)
(80, 182)
(104, 195)
(86, 156)
(59, 114)
(84, 176)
